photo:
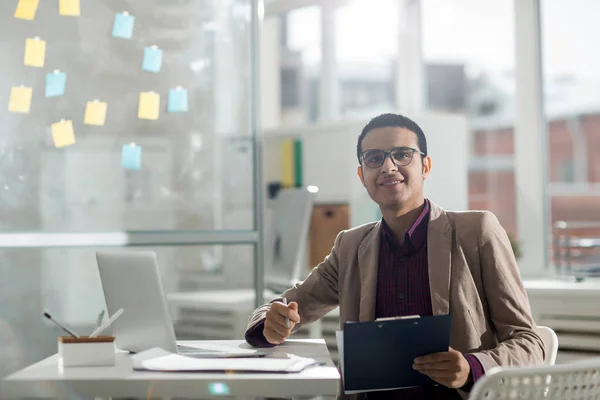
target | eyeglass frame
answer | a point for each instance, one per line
(388, 154)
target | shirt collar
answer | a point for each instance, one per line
(415, 237)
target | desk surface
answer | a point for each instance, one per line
(46, 379)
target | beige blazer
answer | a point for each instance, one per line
(473, 275)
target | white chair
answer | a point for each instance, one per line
(573, 381)
(550, 342)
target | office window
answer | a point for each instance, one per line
(366, 39)
(572, 106)
(300, 65)
(469, 61)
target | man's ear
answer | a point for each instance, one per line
(426, 167)
(359, 172)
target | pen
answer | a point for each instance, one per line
(60, 326)
(99, 319)
(107, 323)
(287, 320)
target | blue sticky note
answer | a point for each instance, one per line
(178, 100)
(123, 25)
(131, 156)
(152, 59)
(55, 83)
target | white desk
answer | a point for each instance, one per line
(46, 379)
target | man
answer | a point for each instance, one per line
(419, 259)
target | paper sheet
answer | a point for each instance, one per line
(149, 106)
(26, 9)
(131, 156)
(63, 134)
(20, 99)
(95, 113)
(35, 52)
(55, 83)
(157, 359)
(123, 25)
(152, 59)
(178, 100)
(69, 8)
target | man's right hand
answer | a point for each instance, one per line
(275, 330)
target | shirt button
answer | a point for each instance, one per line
(402, 295)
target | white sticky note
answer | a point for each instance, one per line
(123, 25)
(20, 99)
(95, 113)
(149, 106)
(152, 61)
(69, 8)
(26, 9)
(62, 133)
(35, 52)
(131, 156)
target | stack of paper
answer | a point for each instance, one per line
(157, 359)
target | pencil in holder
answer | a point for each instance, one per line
(86, 351)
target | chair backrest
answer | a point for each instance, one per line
(550, 342)
(573, 381)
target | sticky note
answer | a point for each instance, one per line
(123, 25)
(35, 52)
(131, 156)
(152, 59)
(149, 107)
(26, 9)
(20, 99)
(95, 113)
(62, 133)
(69, 8)
(55, 83)
(178, 100)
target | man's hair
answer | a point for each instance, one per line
(392, 120)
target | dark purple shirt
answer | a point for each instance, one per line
(402, 289)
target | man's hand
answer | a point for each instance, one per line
(275, 330)
(449, 368)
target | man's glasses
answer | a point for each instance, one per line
(400, 156)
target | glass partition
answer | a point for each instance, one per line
(123, 123)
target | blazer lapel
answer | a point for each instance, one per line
(439, 258)
(368, 263)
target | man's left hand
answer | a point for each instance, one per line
(449, 368)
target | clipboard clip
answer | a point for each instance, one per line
(399, 317)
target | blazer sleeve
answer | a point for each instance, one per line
(316, 295)
(518, 340)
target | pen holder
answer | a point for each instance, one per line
(86, 352)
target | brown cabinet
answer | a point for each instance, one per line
(326, 222)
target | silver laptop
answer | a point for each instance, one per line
(131, 280)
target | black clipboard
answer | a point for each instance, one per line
(379, 355)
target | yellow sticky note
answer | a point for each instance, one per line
(35, 52)
(149, 107)
(20, 99)
(26, 9)
(95, 113)
(70, 8)
(63, 134)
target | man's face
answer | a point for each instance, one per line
(390, 185)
